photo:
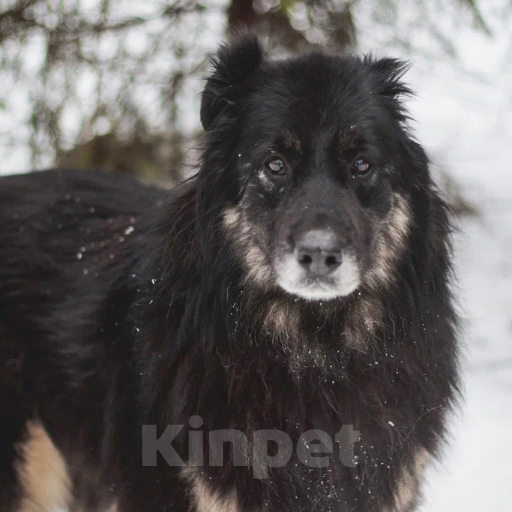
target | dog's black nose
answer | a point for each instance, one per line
(318, 251)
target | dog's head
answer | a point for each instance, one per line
(315, 162)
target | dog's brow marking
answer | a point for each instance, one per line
(43, 473)
(291, 141)
(205, 499)
(349, 139)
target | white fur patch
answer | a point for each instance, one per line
(294, 279)
(43, 474)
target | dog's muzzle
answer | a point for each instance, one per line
(319, 266)
(318, 252)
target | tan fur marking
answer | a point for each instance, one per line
(350, 139)
(43, 474)
(258, 269)
(231, 217)
(362, 322)
(408, 488)
(390, 241)
(279, 318)
(243, 237)
(206, 499)
(282, 319)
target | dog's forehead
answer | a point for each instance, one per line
(320, 80)
(294, 112)
(339, 137)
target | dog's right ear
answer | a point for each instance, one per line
(233, 68)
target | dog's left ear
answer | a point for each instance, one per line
(234, 66)
(387, 74)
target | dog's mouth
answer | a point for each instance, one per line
(304, 280)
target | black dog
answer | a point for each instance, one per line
(299, 281)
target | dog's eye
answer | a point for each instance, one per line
(276, 166)
(361, 166)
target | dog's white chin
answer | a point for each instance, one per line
(292, 278)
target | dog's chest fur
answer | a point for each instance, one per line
(255, 388)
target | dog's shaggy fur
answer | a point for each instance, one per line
(123, 305)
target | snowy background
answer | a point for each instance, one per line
(464, 119)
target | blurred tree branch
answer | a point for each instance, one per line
(115, 84)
